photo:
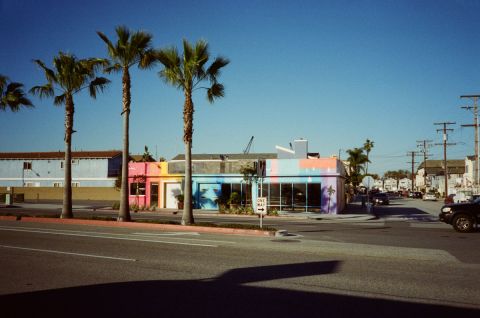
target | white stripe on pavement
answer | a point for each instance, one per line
(68, 253)
(103, 237)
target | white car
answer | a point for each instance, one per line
(429, 197)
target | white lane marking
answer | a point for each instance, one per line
(168, 233)
(104, 237)
(182, 238)
(68, 253)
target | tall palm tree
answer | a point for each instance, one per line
(367, 146)
(186, 72)
(68, 77)
(12, 95)
(356, 159)
(129, 50)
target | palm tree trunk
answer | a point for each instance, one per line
(67, 212)
(124, 212)
(187, 217)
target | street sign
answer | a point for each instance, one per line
(261, 206)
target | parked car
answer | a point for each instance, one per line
(462, 216)
(430, 197)
(380, 198)
(474, 197)
(416, 195)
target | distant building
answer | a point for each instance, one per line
(46, 169)
(434, 171)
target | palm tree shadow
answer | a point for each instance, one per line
(228, 295)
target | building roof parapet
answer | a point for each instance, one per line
(60, 155)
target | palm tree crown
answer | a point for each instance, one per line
(69, 76)
(130, 49)
(187, 72)
(356, 160)
(12, 95)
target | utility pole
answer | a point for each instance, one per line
(474, 108)
(412, 153)
(445, 144)
(424, 144)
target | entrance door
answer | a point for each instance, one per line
(208, 195)
(171, 191)
(154, 194)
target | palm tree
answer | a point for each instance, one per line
(12, 95)
(186, 72)
(129, 50)
(70, 76)
(367, 146)
(356, 159)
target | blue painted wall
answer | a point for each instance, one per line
(87, 172)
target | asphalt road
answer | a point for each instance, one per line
(78, 271)
(410, 223)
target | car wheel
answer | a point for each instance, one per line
(463, 223)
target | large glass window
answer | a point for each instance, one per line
(314, 195)
(274, 194)
(137, 188)
(287, 196)
(246, 194)
(299, 195)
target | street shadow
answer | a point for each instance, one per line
(406, 213)
(228, 295)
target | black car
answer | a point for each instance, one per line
(380, 198)
(462, 216)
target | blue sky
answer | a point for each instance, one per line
(333, 72)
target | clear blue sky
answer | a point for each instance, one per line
(333, 72)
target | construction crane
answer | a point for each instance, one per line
(247, 148)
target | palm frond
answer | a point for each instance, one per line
(49, 74)
(98, 84)
(187, 51)
(3, 83)
(110, 47)
(113, 68)
(148, 59)
(214, 70)
(141, 40)
(59, 100)
(42, 91)
(123, 34)
(217, 90)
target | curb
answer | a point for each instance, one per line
(139, 225)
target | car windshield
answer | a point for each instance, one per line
(477, 200)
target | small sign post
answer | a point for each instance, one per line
(261, 208)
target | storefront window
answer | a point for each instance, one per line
(299, 195)
(314, 195)
(137, 188)
(274, 194)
